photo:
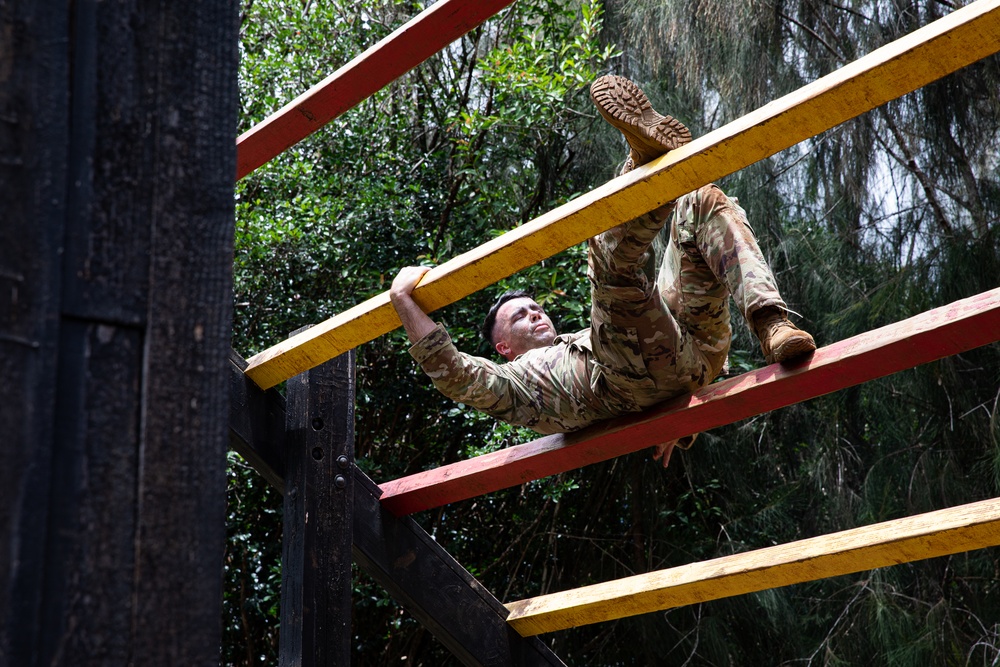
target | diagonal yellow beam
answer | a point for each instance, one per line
(930, 535)
(950, 43)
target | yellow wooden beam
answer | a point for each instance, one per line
(948, 44)
(940, 533)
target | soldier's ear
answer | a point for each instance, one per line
(503, 348)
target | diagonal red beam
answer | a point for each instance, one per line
(424, 35)
(938, 333)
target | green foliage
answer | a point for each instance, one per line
(252, 568)
(875, 221)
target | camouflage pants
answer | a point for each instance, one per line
(661, 328)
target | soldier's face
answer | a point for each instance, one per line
(522, 325)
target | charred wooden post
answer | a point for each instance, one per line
(116, 206)
(319, 504)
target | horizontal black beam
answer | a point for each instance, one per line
(257, 424)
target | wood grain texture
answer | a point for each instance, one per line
(447, 600)
(938, 333)
(257, 417)
(948, 44)
(116, 192)
(929, 535)
(33, 199)
(416, 41)
(186, 80)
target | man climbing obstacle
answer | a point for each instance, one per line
(649, 340)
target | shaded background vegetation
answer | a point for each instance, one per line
(874, 221)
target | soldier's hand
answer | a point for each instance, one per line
(414, 319)
(406, 280)
(662, 452)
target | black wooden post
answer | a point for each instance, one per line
(395, 551)
(318, 519)
(117, 163)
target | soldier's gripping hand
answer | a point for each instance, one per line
(415, 321)
(662, 451)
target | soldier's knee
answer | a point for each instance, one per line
(711, 198)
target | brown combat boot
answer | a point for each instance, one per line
(779, 338)
(626, 108)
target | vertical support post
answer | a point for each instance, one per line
(319, 502)
(116, 244)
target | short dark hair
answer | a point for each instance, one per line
(491, 317)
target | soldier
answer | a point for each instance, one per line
(649, 340)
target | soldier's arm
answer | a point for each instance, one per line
(415, 321)
(465, 378)
(473, 381)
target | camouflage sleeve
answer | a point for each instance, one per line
(471, 380)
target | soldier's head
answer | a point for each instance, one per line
(516, 324)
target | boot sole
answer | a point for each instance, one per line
(795, 346)
(627, 109)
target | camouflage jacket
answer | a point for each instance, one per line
(554, 389)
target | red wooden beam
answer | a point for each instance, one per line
(938, 333)
(416, 41)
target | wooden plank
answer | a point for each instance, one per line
(961, 38)
(318, 517)
(929, 535)
(92, 520)
(33, 198)
(938, 333)
(257, 424)
(424, 35)
(409, 563)
(186, 66)
(257, 417)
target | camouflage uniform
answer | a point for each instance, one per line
(649, 340)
